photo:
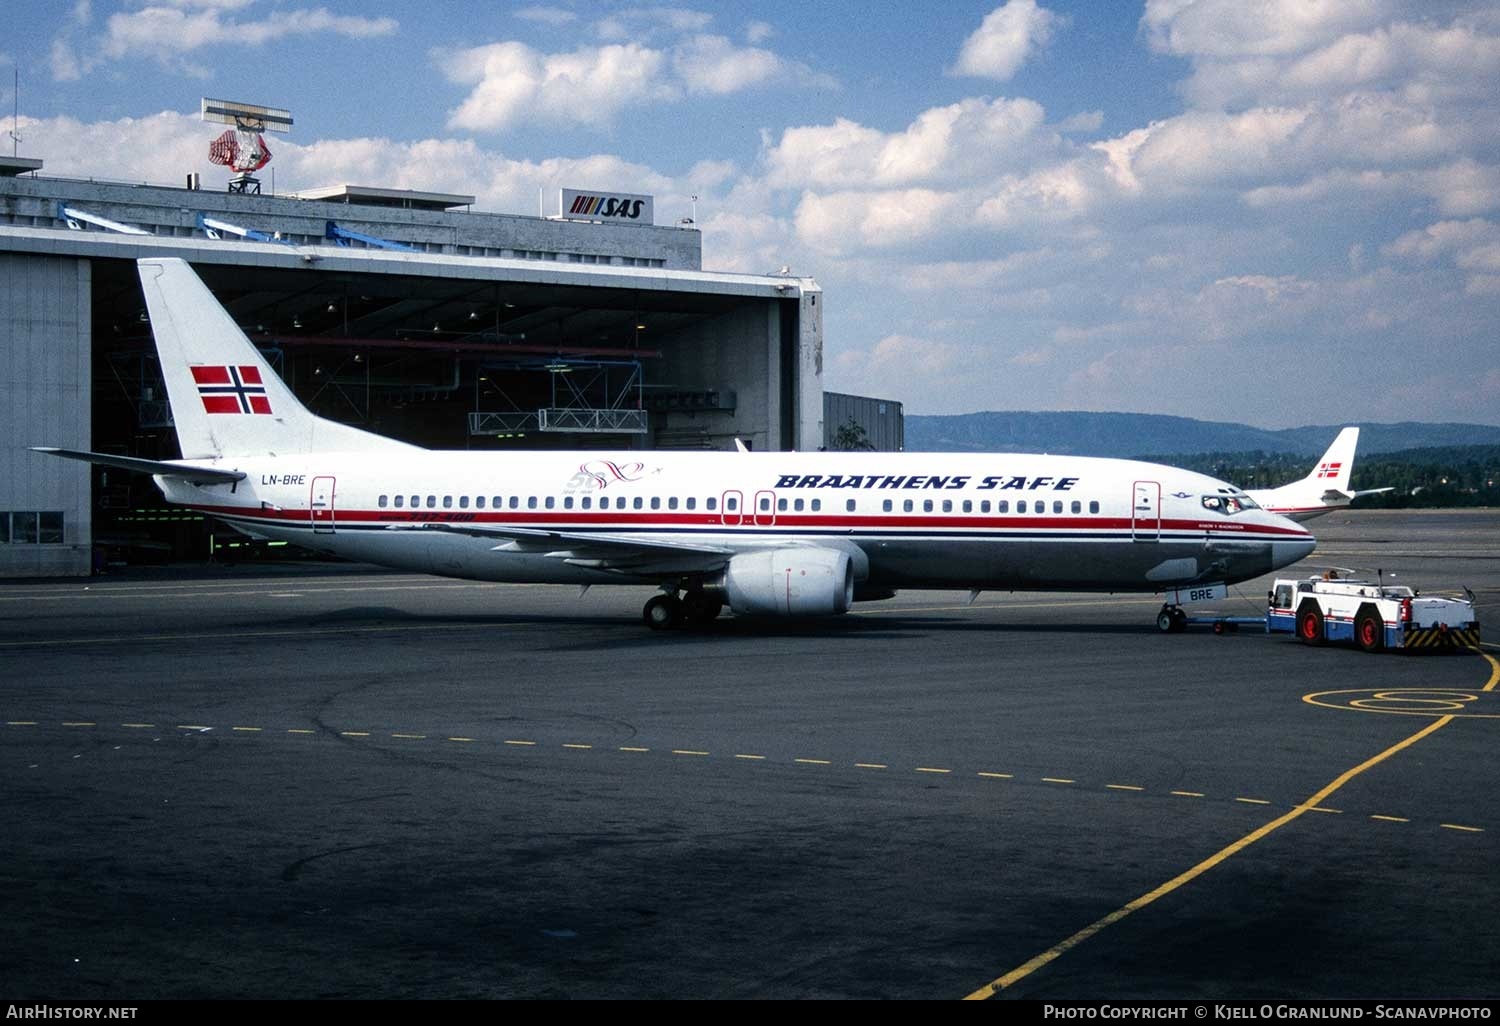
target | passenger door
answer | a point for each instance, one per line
(320, 505)
(1145, 512)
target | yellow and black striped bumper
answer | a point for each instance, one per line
(1442, 637)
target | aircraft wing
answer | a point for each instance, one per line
(620, 553)
(197, 475)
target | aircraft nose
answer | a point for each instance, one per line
(1298, 543)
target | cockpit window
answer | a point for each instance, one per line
(1214, 503)
(1229, 504)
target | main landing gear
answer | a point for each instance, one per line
(1171, 620)
(695, 608)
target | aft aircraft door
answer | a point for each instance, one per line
(1145, 512)
(320, 505)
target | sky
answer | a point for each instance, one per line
(1276, 212)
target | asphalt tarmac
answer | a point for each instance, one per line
(298, 782)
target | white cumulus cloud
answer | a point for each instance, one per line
(1007, 37)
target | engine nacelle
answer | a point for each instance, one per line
(790, 582)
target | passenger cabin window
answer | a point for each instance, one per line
(765, 505)
(568, 502)
(817, 504)
(1094, 506)
(531, 502)
(968, 506)
(984, 507)
(638, 503)
(1021, 506)
(432, 502)
(551, 501)
(885, 505)
(588, 502)
(1057, 505)
(796, 505)
(906, 505)
(463, 502)
(848, 505)
(731, 504)
(479, 502)
(416, 500)
(656, 502)
(692, 502)
(1002, 506)
(400, 501)
(1077, 506)
(672, 502)
(381, 502)
(947, 505)
(495, 502)
(515, 502)
(447, 502)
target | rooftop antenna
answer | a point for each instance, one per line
(243, 148)
(15, 118)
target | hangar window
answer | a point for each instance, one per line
(400, 501)
(551, 501)
(432, 502)
(568, 502)
(447, 502)
(23, 528)
(1094, 506)
(380, 502)
(463, 502)
(692, 502)
(531, 502)
(885, 506)
(1077, 506)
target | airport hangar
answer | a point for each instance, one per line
(482, 331)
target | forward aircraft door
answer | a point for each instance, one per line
(730, 513)
(1145, 512)
(320, 505)
(765, 509)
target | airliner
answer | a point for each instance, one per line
(773, 534)
(1323, 490)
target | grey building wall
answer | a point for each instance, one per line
(743, 358)
(884, 420)
(31, 202)
(44, 400)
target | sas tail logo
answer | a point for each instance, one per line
(606, 206)
(1329, 469)
(231, 389)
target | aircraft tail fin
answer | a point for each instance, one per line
(1325, 488)
(226, 400)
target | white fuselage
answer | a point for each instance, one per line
(906, 519)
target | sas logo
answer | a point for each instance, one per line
(231, 389)
(606, 206)
(1329, 469)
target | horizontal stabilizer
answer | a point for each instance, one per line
(197, 475)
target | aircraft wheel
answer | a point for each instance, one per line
(1179, 621)
(1165, 621)
(662, 612)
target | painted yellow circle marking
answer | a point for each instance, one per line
(1471, 704)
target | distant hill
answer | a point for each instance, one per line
(1135, 435)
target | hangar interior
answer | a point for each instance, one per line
(440, 348)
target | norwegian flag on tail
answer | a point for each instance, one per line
(232, 389)
(1329, 469)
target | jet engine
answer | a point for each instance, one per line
(790, 582)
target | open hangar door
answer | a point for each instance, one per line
(457, 363)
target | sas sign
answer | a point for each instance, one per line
(605, 206)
